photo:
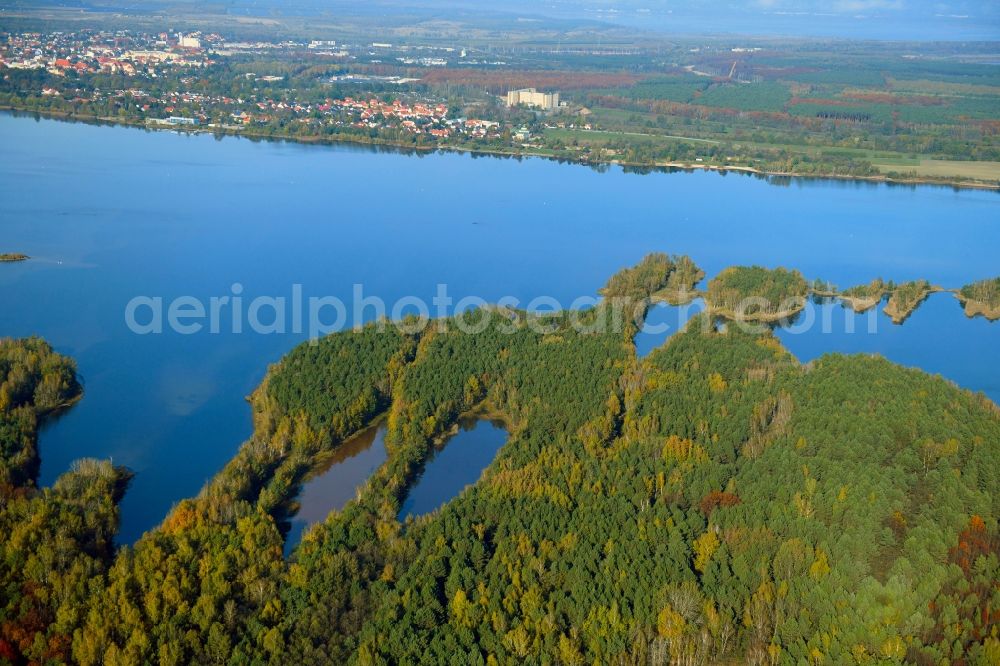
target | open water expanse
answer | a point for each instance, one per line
(109, 214)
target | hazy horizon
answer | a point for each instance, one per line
(894, 20)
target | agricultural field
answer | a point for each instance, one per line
(942, 168)
(928, 116)
(862, 95)
(676, 88)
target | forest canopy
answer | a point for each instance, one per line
(34, 381)
(753, 293)
(671, 278)
(56, 541)
(712, 502)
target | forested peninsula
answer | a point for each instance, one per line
(981, 298)
(713, 502)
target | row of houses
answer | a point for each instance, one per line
(186, 107)
(120, 53)
(395, 109)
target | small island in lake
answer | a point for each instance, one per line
(905, 299)
(657, 278)
(864, 297)
(981, 298)
(9, 257)
(977, 298)
(756, 294)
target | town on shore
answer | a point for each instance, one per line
(708, 104)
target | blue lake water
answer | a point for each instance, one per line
(111, 213)
(456, 464)
(663, 321)
(339, 478)
(937, 338)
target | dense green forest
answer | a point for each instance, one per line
(34, 381)
(657, 276)
(56, 542)
(752, 293)
(713, 502)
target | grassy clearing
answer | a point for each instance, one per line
(885, 161)
(602, 137)
(941, 168)
(674, 89)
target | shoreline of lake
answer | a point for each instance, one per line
(489, 228)
(387, 143)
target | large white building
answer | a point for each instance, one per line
(533, 98)
(188, 42)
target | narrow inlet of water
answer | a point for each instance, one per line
(663, 321)
(458, 463)
(338, 480)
